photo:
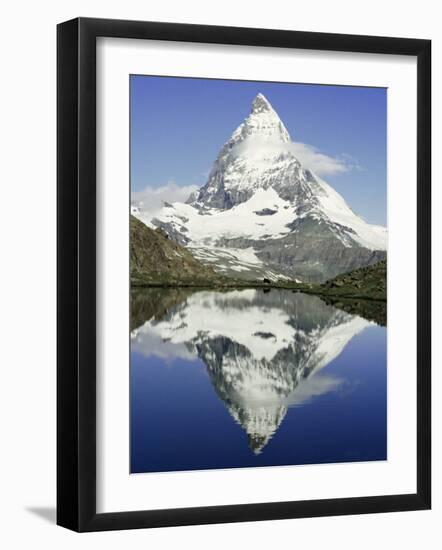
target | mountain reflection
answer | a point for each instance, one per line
(264, 352)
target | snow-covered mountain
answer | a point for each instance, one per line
(264, 352)
(261, 213)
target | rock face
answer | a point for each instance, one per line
(264, 352)
(156, 259)
(261, 213)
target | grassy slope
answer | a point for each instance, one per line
(155, 260)
(366, 282)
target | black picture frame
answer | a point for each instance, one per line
(76, 274)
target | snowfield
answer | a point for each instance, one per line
(244, 220)
(207, 227)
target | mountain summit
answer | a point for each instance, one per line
(263, 120)
(262, 214)
(261, 104)
(247, 161)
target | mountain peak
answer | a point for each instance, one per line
(262, 122)
(261, 214)
(261, 104)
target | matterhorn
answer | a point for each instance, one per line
(262, 214)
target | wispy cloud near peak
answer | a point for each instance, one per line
(151, 199)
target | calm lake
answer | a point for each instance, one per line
(253, 377)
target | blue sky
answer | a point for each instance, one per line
(178, 126)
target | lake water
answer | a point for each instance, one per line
(248, 378)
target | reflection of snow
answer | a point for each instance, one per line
(209, 314)
(264, 352)
(206, 317)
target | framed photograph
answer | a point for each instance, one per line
(243, 274)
